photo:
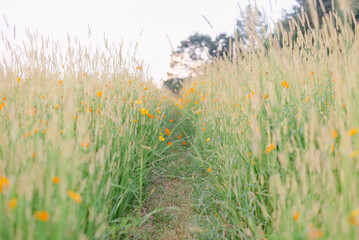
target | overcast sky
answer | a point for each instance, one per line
(126, 19)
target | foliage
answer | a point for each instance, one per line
(200, 47)
(319, 11)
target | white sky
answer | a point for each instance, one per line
(126, 19)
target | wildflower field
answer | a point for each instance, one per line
(271, 136)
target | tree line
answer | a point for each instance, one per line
(251, 26)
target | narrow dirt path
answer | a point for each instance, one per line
(171, 196)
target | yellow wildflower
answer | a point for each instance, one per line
(354, 154)
(144, 111)
(354, 217)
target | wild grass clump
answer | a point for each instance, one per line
(78, 136)
(276, 131)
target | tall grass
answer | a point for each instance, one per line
(79, 132)
(276, 131)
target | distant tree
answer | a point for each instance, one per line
(202, 47)
(316, 11)
(198, 46)
(321, 7)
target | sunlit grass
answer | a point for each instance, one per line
(272, 133)
(78, 136)
(275, 130)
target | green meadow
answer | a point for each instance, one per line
(260, 145)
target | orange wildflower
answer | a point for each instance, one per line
(169, 143)
(296, 216)
(41, 215)
(4, 182)
(209, 169)
(74, 196)
(85, 144)
(285, 84)
(12, 203)
(353, 131)
(270, 148)
(167, 131)
(334, 134)
(316, 233)
(99, 93)
(56, 180)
